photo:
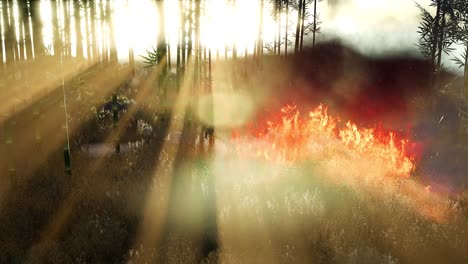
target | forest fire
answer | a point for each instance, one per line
(372, 161)
(294, 137)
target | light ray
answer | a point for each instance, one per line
(150, 232)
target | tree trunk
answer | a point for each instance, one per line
(8, 30)
(254, 55)
(260, 34)
(67, 30)
(183, 40)
(20, 40)
(465, 82)
(298, 27)
(87, 33)
(27, 33)
(56, 39)
(79, 36)
(161, 38)
(113, 57)
(234, 46)
(435, 34)
(37, 28)
(209, 69)
(286, 30)
(189, 32)
(304, 4)
(161, 48)
(179, 41)
(205, 60)
(168, 57)
(131, 60)
(2, 51)
(315, 23)
(275, 14)
(96, 56)
(278, 14)
(197, 44)
(226, 52)
(104, 18)
(440, 47)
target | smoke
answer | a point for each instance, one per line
(377, 27)
(374, 27)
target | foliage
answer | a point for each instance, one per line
(461, 29)
(460, 61)
(153, 57)
(430, 33)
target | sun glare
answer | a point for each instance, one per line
(135, 24)
(222, 24)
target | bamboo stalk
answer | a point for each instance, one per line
(115, 114)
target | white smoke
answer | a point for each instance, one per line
(376, 27)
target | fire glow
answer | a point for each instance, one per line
(373, 161)
(296, 138)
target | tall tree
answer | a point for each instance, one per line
(37, 28)
(440, 40)
(303, 15)
(179, 37)
(20, 37)
(9, 47)
(197, 50)
(88, 36)
(260, 34)
(104, 23)
(278, 15)
(161, 39)
(435, 36)
(298, 25)
(94, 45)
(234, 45)
(183, 22)
(189, 30)
(56, 39)
(286, 29)
(113, 57)
(66, 29)
(461, 37)
(27, 33)
(78, 33)
(314, 31)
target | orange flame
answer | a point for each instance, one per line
(347, 154)
(296, 138)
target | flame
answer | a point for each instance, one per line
(295, 138)
(372, 160)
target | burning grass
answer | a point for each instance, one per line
(370, 160)
(314, 189)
